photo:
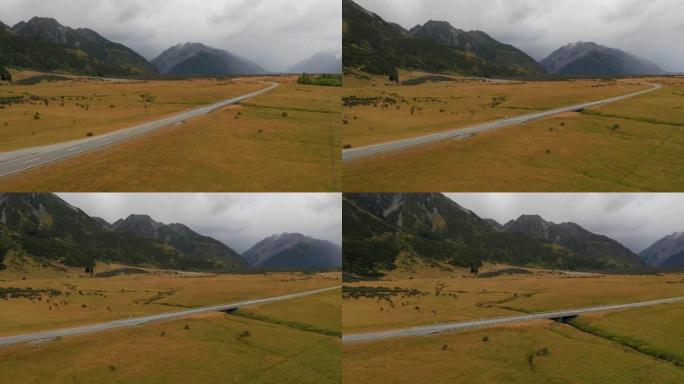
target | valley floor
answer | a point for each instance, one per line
(285, 140)
(631, 145)
(641, 345)
(288, 342)
(41, 300)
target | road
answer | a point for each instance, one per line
(23, 159)
(134, 321)
(459, 133)
(484, 323)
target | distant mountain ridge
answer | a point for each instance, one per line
(182, 238)
(588, 58)
(666, 252)
(575, 238)
(374, 45)
(199, 59)
(320, 63)
(44, 44)
(44, 226)
(478, 43)
(294, 250)
(378, 228)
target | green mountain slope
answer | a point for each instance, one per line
(45, 45)
(44, 226)
(376, 46)
(196, 246)
(378, 227)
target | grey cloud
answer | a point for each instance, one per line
(274, 33)
(635, 220)
(239, 220)
(538, 27)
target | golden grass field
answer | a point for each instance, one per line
(534, 352)
(217, 348)
(403, 111)
(62, 105)
(85, 300)
(285, 140)
(632, 145)
(542, 352)
(462, 297)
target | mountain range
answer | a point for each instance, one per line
(44, 44)
(45, 227)
(320, 63)
(373, 45)
(376, 46)
(199, 59)
(582, 58)
(667, 252)
(290, 250)
(378, 228)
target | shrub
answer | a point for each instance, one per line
(36, 116)
(89, 134)
(186, 327)
(346, 146)
(485, 339)
(284, 114)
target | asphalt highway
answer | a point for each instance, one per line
(134, 321)
(23, 159)
(459, 133)
(484, 323)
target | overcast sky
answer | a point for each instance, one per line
(274, 33)
(647, 28)
(238, 220)
(635, 220)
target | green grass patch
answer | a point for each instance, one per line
(631, 342)
(322, 80)
(287, 323)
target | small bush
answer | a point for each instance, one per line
(36, 116)
(112, 368)
(615, 127)
(347, 146)
(345, 122)
(89, 134)
(284, 114)
(548, 151)
(186, 327)
(485, 339)
(445, 347)
(244, 334)
(163, 334)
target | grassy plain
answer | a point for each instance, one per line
(72, 108)
(542, 352)
(285, 140)
(463, 297)
(633, 346)
(208, 348)
(631, 145)
(78, 299)
(377, 111)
